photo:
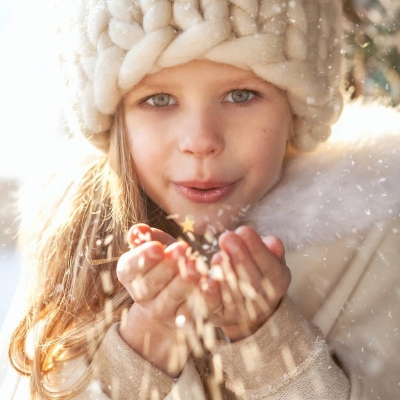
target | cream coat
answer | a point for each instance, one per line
(338, 213)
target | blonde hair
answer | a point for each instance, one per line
(73, 246)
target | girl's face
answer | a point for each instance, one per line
(207, 140)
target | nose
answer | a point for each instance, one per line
(201, 133)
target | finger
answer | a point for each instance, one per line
(222, 305)
(162, 237)
(177, 253)
(139, 261)
(276, 275)
(230, 293)
(259, 251)
(142, 233)
(275, 246)
(263, 279)
(139, 234)
(150, 285)
(171, 298)
(147, 287)
(210, 290)
(240, 258)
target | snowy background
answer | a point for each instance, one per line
(29, 112)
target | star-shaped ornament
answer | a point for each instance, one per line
(187, 224)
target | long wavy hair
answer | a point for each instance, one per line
(72, 247)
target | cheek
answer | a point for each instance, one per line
(266, 157)
(266, 164)
(269, 143)
(143, 154)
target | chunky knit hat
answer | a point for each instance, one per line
(294, 44)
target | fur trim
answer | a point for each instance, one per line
(348, 184)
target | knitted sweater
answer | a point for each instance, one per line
(336, 335)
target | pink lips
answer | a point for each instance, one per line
(204, 192)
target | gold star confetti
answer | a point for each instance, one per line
(187, 224)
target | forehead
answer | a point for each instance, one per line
(207, 72)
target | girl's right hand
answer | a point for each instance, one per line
(158, 278)
(160, 282)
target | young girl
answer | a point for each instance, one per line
(161, 264)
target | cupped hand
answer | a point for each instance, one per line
(158, 274)
(247, 281)
(160, 278)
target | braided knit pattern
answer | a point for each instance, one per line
(294, 44)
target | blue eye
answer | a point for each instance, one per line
(161, 100)
(239, 96)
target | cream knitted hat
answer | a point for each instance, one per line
(294, 44)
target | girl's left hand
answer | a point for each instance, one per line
(250, 279)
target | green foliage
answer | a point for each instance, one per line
(372, 48)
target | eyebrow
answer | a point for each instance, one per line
(149, 87)
(253, 80)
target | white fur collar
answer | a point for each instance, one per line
(351, 182)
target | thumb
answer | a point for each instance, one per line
(275, 246)
(161, 236)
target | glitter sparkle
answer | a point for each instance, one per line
(187, 224)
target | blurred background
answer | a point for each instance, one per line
(30, 115)
(372, 48)
(31, 96)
